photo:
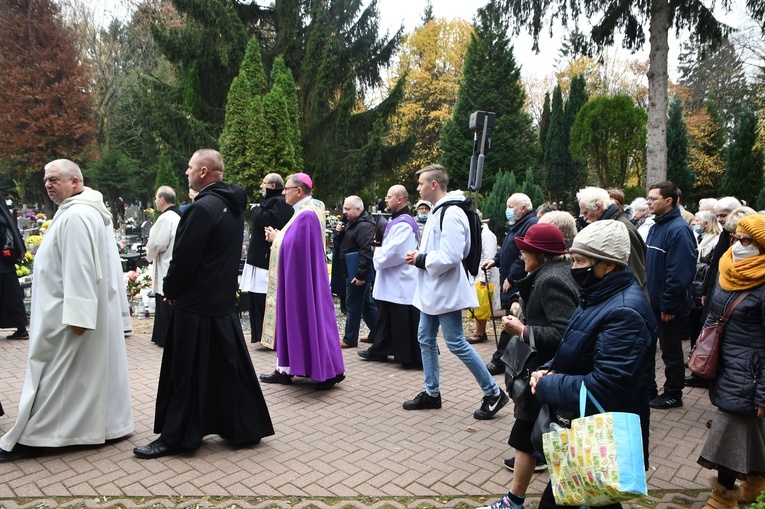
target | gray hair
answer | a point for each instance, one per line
(728, 203)
(355, 202)
(707, 203)
(166, 193)
(639, 203)
(731, 222)
(591, 197)
(522, 200)
(563, 221)
(274, 178)
(66, 168)
(709, 221)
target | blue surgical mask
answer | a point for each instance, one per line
(510, 215)
(422, 217)
(697, 229)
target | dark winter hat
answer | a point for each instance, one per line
(542, 238)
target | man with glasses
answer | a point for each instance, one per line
(76, 390)
(670, 267)
(300, 322)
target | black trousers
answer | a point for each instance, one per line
(671, 344)
(548, 501)
(256, 306)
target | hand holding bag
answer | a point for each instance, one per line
(706, 354)
(520, 361)
(598, 461)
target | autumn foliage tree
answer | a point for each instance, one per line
(45, 106)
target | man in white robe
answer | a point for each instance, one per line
(76, 390)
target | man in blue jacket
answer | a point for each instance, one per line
(670, 268)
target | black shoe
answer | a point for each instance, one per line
(371, 356)
(475, 339)
(666, 401)
(495, 369)
(21, 451)
(156, 449)
(490, 405)
(276, 378)
(328, 384)
(693, 380)
(423, 401)
(709, 423)
(19, 334)
(541, 466)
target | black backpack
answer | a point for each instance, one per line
(472, 262)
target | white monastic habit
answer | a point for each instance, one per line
(76, 390)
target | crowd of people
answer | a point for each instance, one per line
(593, 296)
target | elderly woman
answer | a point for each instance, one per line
(735, 446)
(707, 229)
(547, 296)
(609, 343)
(642, 218)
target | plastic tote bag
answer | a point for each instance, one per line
(598, 461)
(484, 292)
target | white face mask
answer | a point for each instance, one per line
(742, 252)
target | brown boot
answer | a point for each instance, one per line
(722, 498)
(751, 489)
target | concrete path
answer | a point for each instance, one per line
(353, 446)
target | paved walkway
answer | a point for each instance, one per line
(353, 446)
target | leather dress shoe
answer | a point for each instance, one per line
(371, 356)
(495, 369)
(328, 384)
(343, 344)
(156, 449)
(276, 378)
(693, 380)
(366, 339)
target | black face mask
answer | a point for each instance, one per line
(585, 276)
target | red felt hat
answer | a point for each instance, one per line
(542, 238)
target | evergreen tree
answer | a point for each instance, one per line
(557, 157)
(490, 82)
(166, 176)
(532, 190)
(544, 127)
(678, 170)
(115, 174)
(245, 124)
(743, 174)
(577, 97)
(496, 203)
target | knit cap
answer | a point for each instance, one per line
(755, 226)
(606, 240)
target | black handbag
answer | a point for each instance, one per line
(520, 361)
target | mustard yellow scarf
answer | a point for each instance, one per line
(741, 275)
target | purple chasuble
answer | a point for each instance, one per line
(306, 339)
(407, 219)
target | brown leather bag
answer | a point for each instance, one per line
(706, 355)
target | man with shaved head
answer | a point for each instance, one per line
(357, 238)
(273, 211)
(396, 282)
(207, 384)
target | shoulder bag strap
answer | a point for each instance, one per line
(735, 303)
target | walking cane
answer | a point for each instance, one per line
(491, 309)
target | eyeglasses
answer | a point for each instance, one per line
(745, 241)
(290, 187)
(651, 199)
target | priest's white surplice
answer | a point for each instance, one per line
(76, 389)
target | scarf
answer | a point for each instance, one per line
(742, 275)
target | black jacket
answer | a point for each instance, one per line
(11, 243)
(358, 237)
(273, 211)
(203, 274)
(740, 382)
(509, 257)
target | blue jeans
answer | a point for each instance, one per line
(454, 337)
(358, 303)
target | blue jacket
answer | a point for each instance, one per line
(671, 264)
(610, 345)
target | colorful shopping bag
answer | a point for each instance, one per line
(598, 461)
